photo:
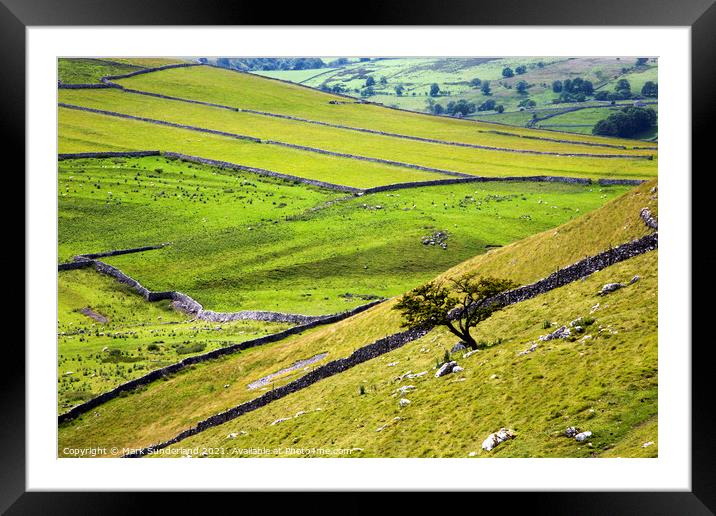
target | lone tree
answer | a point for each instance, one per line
(459, 309)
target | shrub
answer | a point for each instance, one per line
(196, 347)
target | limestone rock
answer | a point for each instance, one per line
(528, 350)
(571, 431)
(404, 402)
(583, 436)
(560, 333)
(610, 287)
(497, 438)
(457, 347)
(446, 368)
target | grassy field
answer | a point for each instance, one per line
(90, 132)
(120, 336)
(250, 91)
(329, 138)
(88, 71)
(242, 242)
(164, 408)
(82, 131)
(636, 78)
(237, 240)
(583, 121)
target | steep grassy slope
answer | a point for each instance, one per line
(249, 91)
(605, 381)
(165, 408)
(107, 335)
(240, 241)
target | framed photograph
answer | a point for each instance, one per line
(419, 252)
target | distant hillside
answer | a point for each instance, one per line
(519, 88)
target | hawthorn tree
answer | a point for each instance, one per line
(459, 308)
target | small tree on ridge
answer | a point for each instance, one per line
(459, 309)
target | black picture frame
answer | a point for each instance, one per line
(700, 15)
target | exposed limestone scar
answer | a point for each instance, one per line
(262, 382)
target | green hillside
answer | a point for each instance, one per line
(456, 80)
(604, 382)
(241, 241)
(264, 196)
(109, 335)
(203, 384)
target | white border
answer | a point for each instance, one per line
(671, 471)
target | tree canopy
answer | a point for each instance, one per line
(626, 122)
(459, 308)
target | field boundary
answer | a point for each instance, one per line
(211, 162)
(108, 81)
(381, 346)
(356, 191)
(406, 136)
(356, 100)
(182, 302)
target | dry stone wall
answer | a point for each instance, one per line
(108, 154)
(396, 135)
(159, 122)
(262, 171)
(478, 179)
(381, 346)
(463, 178)
(186, 303)
(90, 86)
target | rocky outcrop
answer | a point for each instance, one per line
(499, 437)
(446, 369)
(560, 333)
(610, 287)
(649, 219)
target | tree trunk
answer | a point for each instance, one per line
(466, 337)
